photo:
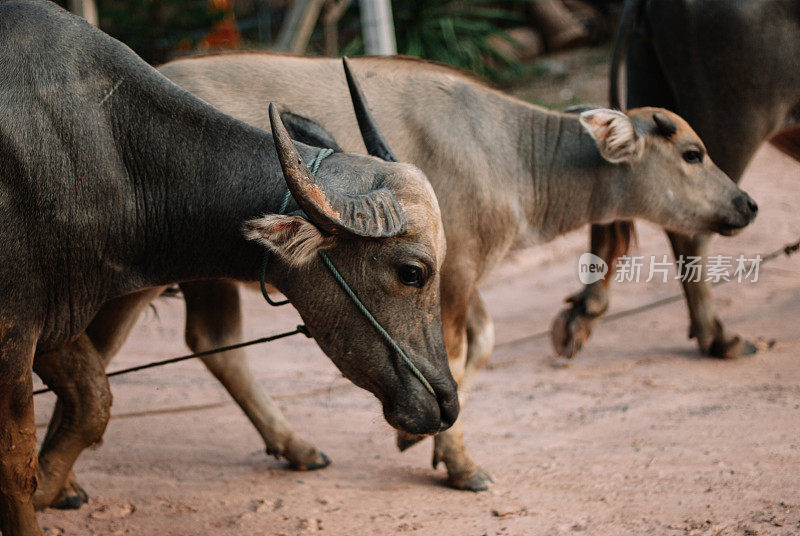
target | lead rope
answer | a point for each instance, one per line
(314, 167)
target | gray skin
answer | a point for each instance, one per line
(115, 180)
(732, 70)
(506, 174)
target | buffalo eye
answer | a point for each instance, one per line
(693, 156)
(412, 276)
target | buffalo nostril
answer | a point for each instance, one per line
(448, 412)
(745, 205)
(448, 418)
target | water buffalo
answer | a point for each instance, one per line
(506, 174)
(732, 69)
(115, 180)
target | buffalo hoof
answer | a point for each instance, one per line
(320, 461)
(729, 348)
(301, 455)
(475, 481)
(569, 331)
(406, 441)
(723, 346)
(573, 326)
(72, 497)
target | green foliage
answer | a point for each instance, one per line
(450, 31)
(453, 32)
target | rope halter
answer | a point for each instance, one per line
(313, 165)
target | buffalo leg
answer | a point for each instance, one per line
(573, 326)
(113, 323)
(480, 343)
(17, 436)
(107, 332)
(76, 374)
(788, 142)
(469, 337)
(646, 86)
(213, 319)
(72, 496)
(704, 324)
(463, 472)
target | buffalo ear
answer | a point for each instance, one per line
(294, 238)
(615, 135)
(308, 131)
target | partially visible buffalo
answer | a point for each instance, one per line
(732, 70)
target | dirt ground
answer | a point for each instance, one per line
(637, 435)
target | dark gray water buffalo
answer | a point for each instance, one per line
(732, 70)
(506, 173)
(116, 180)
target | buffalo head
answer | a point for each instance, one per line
(669, 177)
(379, 222)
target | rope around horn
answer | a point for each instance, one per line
(375, 323)
(314, 165)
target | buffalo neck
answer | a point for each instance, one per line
(540, 167)
(195, 177)
(571, 184)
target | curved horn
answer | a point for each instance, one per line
(373, 139)
(375, 214)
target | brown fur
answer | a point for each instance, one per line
(615, 133)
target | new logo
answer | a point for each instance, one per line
(591, 268)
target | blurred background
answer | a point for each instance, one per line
(551, 52)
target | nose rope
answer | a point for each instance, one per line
(314, 166)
